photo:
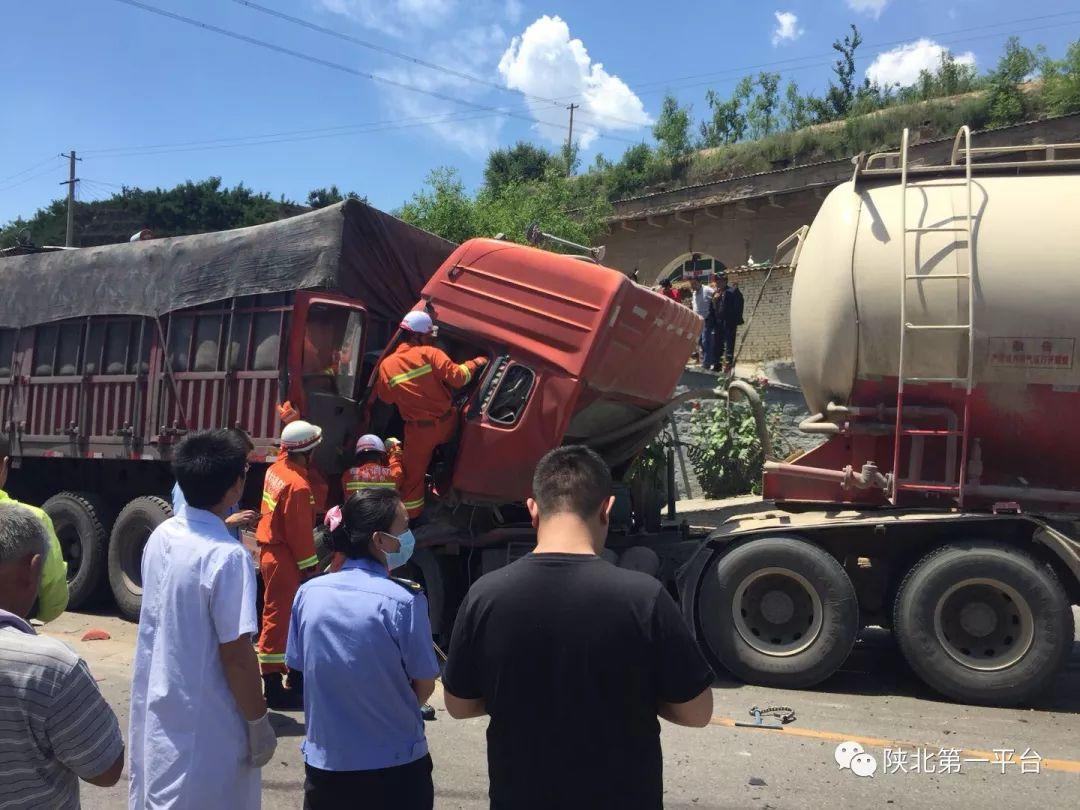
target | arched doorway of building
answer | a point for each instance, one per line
(692, 265)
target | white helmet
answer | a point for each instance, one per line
(300, 436)
(368, 443)
(418, 322)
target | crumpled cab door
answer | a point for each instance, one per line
(326, 349)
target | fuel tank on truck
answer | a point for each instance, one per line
(1024, 260)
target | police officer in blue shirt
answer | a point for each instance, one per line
(363, 642)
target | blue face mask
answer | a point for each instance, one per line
(396, 559)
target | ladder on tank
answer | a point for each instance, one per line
(962, 231)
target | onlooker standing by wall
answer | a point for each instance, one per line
(574, 658)
(668, 291)
(56, 727)
(363, 641)
(199, 726)
(701, 302)
(727, 307)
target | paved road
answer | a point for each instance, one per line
(873, 701)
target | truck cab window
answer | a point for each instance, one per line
(331, 350)
(511, 396)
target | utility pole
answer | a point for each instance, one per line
(69, 240)
(570, 142)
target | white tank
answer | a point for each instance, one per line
(845, 306)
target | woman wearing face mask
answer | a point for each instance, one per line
(363, 641)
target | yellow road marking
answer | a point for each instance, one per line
(1064, 765)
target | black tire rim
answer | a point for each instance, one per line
(984, 624)
(777, 612)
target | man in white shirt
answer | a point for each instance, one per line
(199, 728)
(701, 296)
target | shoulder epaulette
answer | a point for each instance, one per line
(412, 587)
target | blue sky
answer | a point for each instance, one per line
(109, 79)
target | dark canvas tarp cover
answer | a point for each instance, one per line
(350, 247)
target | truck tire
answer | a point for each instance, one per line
(983, 622)
(129, 535)
(777, 611)
(82, 526)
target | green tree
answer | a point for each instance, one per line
(522, 162)
(841, 93)
(672, 129)
(762, 112)
(728, 122)
(191, 207)
(322, 197)
(1061, 82)
(1006, 99)
(795, 109)
(442, 207)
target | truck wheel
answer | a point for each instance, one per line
(81, 524)
(129, 535)
(778, 611)
(983, 622)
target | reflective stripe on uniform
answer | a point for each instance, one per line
(468, 373)
(417, 504)
(354, 486)
(269, 501)
(271, 658)
(398, 379)
(307, 562)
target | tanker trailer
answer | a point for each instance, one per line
(934, 326)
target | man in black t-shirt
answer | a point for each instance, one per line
(574, 658)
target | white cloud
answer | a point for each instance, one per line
(396, 17)
(545, 61)
(787, 28)
(871, 7)
(902, 64)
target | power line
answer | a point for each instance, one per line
(317, 60)
(416, 60)
(344, 129)
(29, 168)
(50, 170)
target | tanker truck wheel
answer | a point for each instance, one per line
(983, 622)
(778, 611)
(82, 526)
(129, 535)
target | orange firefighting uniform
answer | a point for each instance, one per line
(419, 380)
(374, 475)
(286, 547)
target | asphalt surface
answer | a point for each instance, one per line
(873, 701)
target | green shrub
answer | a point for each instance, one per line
(726, 453)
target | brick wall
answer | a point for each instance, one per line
(768, 334)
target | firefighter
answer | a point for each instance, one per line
(377, 465)
(419, 379)
(286, 555)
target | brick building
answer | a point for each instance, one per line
(738, 222)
